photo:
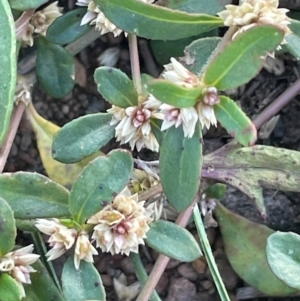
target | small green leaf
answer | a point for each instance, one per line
(26, 4)
(242, 59)
(100, 182)
(235, 121)
(211, 7)
(283, 255)
(293, 45)
(156, 129)
(42, 287)
(67, 29)
(199, 52)
(216, 191)
(82, 137)
(8, 230)
(173, 241)
(9, 288)
(180, 164)
(82, 284)
(173, 94)
(245, 246)
(116, 87)
(55, 68)
(249, 169)
(31, 195)
(8, 65)
(156, 22)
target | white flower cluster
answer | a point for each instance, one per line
(134, 122)
(255, 12)
(17, 264)
(95, 16)
(40, 21)
(118, 228)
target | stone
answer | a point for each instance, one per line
(187, 271)
(199, 265)
(182, 289)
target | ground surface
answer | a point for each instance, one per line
(181, 281)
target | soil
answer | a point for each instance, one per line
(180, 281)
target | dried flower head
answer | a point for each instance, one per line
(122, 225)
(95, 16)
(17, 264)
(61, 238)
(255, 12)
(27, 38)
(42, 19)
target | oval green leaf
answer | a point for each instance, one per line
(242, 59)
(55, 68)
(42, 287)
(82, 137)
(9, 288)
(180, 165)
(283, 255)
(199, 52)
(173, 94)
(31, 195)
(8, 65)
(245, 246)
(26, 4)
(156, 22)
(116, 87)
(82, 284)
(67, 29)
(293, 45)
(100, 182)
(235, 121)
(8, 230)
(173, 241)
(216, 191)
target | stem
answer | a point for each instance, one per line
(209, 255)
(135, 63)
(277, 104)
(14, 124)
(142, 274)
(162, 260)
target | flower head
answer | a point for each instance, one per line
(122, 225)
(42, 19)
(17, 264)
(255, 12)
(84, 250)
(61, 238)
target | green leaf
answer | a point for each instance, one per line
(199, 52)
(31, 195)
(249, 169)
(211, 7)
(173, 241)
(156, 22)
(156, 129)
(245, 246)
(67, 29)
(26, 4)
(173, 94)
(116, 87)
(8, 65)
(283, 255)
(235, 121)
(42, 287)
(242, 59)
(55, 68)
(82, 137)
(180, 164)
(216, 191)
(8, 229)
(293, 45)
(82, 284)
(64, 174)
(9, 288)
(100, 182)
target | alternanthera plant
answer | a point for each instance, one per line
(93, 202)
